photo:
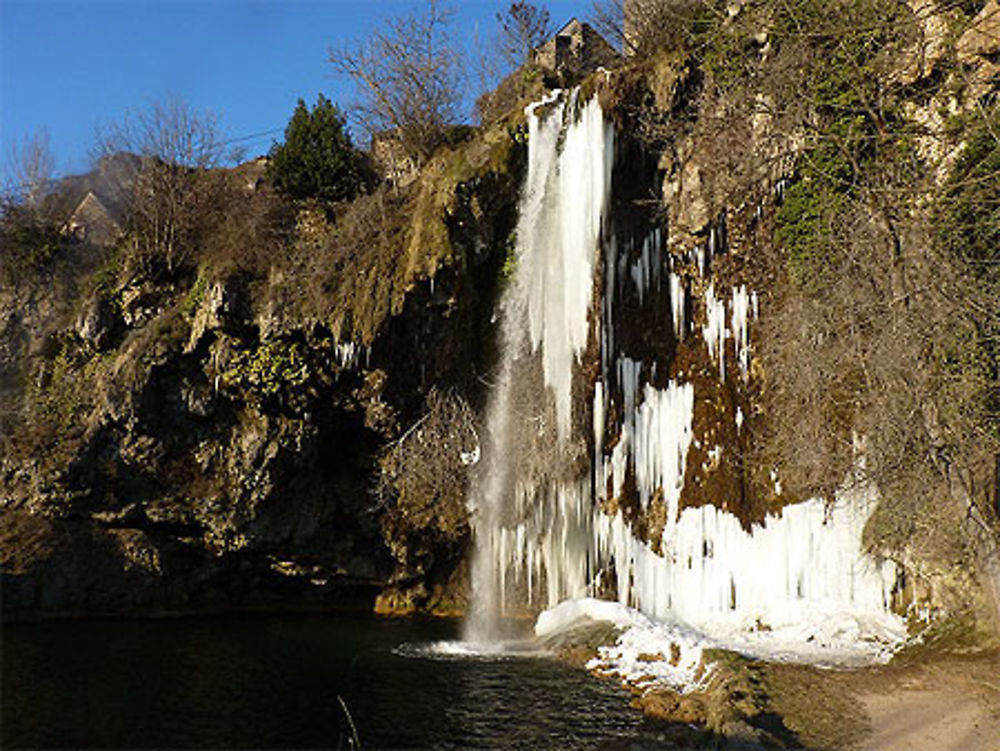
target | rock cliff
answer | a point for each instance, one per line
(296, 418)
(219, 439)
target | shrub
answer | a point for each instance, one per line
(28, 243)
(969, 224)
(317, 159)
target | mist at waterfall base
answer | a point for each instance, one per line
(265, 681)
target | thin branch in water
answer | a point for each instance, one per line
(355, 740)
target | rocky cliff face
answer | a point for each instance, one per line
(210, 442)
(303, 429)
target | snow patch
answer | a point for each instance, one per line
(571, 613)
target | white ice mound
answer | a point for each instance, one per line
(646, 653)
(570, 613)
(668, 652)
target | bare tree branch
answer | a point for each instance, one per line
(30, 166)
(408, 78)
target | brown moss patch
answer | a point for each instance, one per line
(713, 473)
(671, 707)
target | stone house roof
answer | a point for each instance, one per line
(575, 51)
(92, 222)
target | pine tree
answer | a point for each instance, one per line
(317, 159)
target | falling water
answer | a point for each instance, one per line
(544, 317)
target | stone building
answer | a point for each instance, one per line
(92, 222)
(575, 51)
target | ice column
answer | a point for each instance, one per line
(557, 236)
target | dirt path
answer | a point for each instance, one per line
(949, 704)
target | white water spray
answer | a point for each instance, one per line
(544, 314)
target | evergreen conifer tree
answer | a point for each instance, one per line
(317, 159)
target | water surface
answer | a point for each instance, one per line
(274, 681)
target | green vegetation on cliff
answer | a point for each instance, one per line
(317, 158)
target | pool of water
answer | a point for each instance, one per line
(277, 682)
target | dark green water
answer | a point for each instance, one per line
(273, 682)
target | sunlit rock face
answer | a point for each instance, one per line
(624, 389)
(213, 439)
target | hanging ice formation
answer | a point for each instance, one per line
(548, 525)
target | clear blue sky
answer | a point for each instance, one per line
(68, 65)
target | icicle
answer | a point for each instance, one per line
(346, 354)
(660, 443)
(558, 229)
(800, 561)
(741, 340)
(715, 330)
(779, 191)
(677, 305)
(598, 422)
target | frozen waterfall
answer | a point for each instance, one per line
(544, 315)
(548, 524)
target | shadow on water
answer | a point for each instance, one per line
(276, 682)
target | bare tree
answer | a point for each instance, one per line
(608, 17)
(29, 168)
(522, 27)
(638, 27)
(168, 131)
(29, 238)
(171, 192)
(408, 78)
(488, 69)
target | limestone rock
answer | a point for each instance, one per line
(933, 45)
(217, 310)
(983, 35)
(138, 305)
(96, 323)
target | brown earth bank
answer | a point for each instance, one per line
(948, 703)
(936, 700)
(940, 692)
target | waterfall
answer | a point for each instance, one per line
(544, 329)
(548, 520)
